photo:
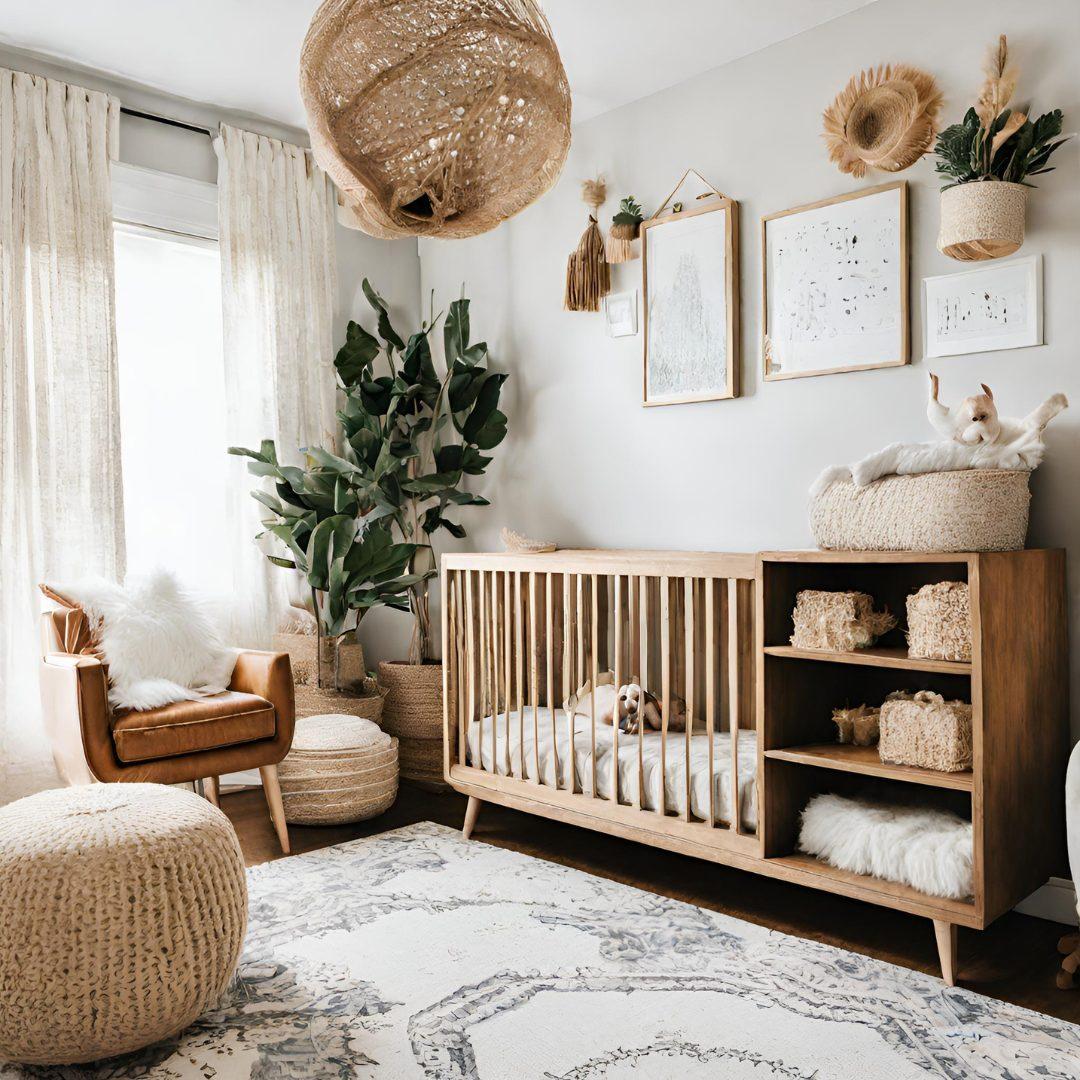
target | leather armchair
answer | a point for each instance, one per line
(249, 726)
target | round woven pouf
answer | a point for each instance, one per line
(340, 768)
(123, 909)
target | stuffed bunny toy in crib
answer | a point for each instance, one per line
(975, 437)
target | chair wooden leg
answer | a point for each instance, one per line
(210, 790)
(945, 932)
(472, 812)
(277, 808)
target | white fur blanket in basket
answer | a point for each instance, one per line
(930, 850)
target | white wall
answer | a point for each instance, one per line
(585, 464)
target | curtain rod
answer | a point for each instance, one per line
(166, 120)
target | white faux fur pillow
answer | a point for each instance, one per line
(159, 643)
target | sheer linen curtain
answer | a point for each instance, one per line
(276, 220)
(61, 498)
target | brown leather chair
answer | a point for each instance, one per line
(249, 726)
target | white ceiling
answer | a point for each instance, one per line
(243, 54)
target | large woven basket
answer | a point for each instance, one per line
(414, 713)
(340, 769)
(982, 220)
(967, 510)
(311, 701)
(342, 661)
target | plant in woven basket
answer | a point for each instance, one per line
(625, 229)
(413, 435)
(333, 536)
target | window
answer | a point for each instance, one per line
(172, 388)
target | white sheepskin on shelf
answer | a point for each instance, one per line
(930, 850)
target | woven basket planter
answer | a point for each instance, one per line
(927, 731)
(839, 621)
(340, 769)
(966, 510)
(414, 713)
(939, 622)
(311, 701)
(342, 661)
(982, 220)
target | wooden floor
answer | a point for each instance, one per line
(1014, 960)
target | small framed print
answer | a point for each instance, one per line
(620, 314)
(690, 279)
(835, 284)
(992, 307)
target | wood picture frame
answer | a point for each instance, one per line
(893, 352)
(710, 245)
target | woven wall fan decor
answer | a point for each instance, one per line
(435, 117)
(885, 118)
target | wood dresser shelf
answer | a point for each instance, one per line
(878, 656)
(865, 760)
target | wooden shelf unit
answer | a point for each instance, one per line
(1017, 682)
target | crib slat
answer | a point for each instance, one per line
(470, 651)
(733, 695)
(494, 635)
(688, 636)
(710, 690)
(549, 641)
(534, 676)
(459, 667)
(519, 632)
(617, 666)
(567, 677)
(643, 682)
(665, 683)
(594, 673)
(507, 669)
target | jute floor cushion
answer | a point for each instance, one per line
(340, 768)
(123, 908)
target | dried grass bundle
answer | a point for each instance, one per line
(839, 621)
(926, 731)
(858, 726)
(885, 118)
(939, 622)
(588, 277)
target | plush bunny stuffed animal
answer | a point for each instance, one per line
(976, 438)
(637, 706)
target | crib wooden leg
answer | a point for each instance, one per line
(945, 932)
(472, 812)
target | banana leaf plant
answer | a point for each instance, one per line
(412, 436)
(345, 554)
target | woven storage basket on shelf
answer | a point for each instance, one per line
(966, 510)
(982, 220)
(927, 731)
(435, 118)
(340, 769)
(939, 622)
(839, 621)
(123, 909)
(311, 701)
(414, 713)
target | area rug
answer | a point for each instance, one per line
(418, 954)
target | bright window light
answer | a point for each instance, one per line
(172, 405)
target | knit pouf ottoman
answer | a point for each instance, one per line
(123, 909)
(340, 768)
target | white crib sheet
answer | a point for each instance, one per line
(479, 753)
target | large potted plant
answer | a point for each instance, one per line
(344, 553)
(412, 435)
(987, 159)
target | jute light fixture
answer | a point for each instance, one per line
(435, 117)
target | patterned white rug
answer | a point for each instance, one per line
(417, 954)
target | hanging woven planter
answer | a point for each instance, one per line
(435, 119)
(982, 220)
(588, 276)
(625, 229)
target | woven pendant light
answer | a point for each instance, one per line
(435, 117)
(588, 276)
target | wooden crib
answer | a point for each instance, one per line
(522, 633)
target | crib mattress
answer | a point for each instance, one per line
(507, 727)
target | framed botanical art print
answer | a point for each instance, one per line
(835, 285)
(994, 306)
(690, 281)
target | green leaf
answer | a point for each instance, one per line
(243, 451)
(386, 331)
(456, 331)
(355, 357)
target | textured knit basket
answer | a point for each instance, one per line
(966, 510)
(414, 713)
(435, 118)
(839, 621)
(982, 220)
(939, 622)
(340, 769)
(926, 731)
(311, 701)
(123, 908)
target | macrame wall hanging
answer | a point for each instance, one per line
(588, 276)
(625, 229)
(435, 119)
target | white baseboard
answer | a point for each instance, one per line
(1055, 901)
